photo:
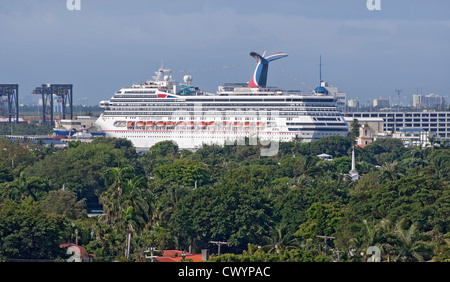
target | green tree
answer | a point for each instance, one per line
(24, 186)
(27, 233)
(15, 154)
(5, 174)
(354, 130)
(63, 202)
(184, 172)
(124, 190)
(322, 219)
(280, 238)
(165, 152)
(79, 169)
(409, 246)
(228, 212)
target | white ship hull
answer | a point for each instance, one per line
(234, 131)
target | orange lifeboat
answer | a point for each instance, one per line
(260, 124)
(150, 123)
(140, 123)
(160, 123)
(237, 124)
(130, 124)
(247, 123)
(170, 123)
(225, 123)
(191, 123)
(203, 123)
(181, 123)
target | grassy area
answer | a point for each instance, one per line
(25, 129)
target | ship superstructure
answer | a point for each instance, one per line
(162, 109)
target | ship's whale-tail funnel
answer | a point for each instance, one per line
(259, 78)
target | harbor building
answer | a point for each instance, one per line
(436, 123)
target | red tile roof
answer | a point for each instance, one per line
(83, 252)
(175, 256)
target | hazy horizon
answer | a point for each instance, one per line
(111, 44)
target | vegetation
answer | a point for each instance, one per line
(267, 208)
(25, 129)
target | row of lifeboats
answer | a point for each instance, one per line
(191, 123)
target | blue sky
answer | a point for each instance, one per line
(110, 44)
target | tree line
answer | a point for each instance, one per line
(277, 208)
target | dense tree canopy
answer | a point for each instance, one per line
(268, 208)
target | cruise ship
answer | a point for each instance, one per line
(162, 109)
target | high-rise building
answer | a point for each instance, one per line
(428, 101)
(383, 103)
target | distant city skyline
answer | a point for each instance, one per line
(110, 44)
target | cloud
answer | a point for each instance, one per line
(109, 44)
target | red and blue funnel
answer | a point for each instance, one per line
(259, 78)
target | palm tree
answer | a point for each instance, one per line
(391, 171)
(130, 223)
(280, 239)
(24, 186)
(121, 188)
(136, 195)
(441, 164)
(378, 234)
(114, 176)
(408, 245)
(169, 200)
(308, 166)
(111, 200)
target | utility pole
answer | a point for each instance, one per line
(218, 243)
(151, 256)
(325, 240)
(76, 236)
(338, 255)
(128, 243)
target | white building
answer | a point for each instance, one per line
(383, 103)
(437, 123)
(78, 124)
(428, 101)
(413, 137)
(353, 104)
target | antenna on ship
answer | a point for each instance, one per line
(321, 90)
(320, 69)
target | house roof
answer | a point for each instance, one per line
(175, 256)
(362, 145)
(83, 251)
